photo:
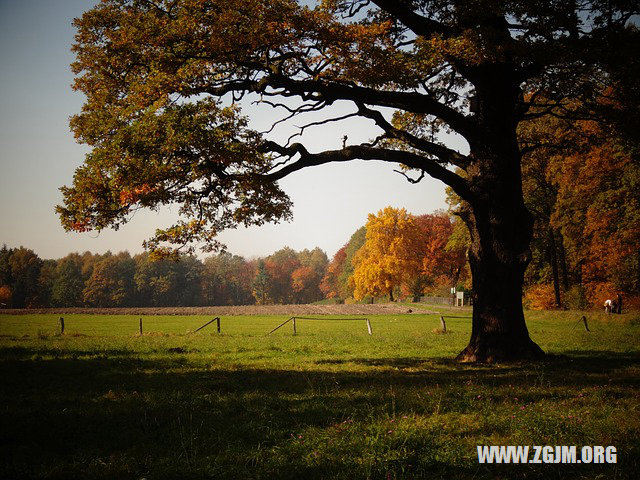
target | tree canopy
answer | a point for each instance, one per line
(158, 76)
(390, 254)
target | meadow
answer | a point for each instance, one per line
(103, 402)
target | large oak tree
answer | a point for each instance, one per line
(159, 76)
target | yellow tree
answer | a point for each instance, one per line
(390, 255)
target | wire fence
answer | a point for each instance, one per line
(218, 325)
(438, 300)
(451, 301)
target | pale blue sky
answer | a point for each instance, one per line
(38, 154)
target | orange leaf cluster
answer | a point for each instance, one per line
(129, 197)
(539, 297)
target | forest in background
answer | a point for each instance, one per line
(581, 180)
(286, 276)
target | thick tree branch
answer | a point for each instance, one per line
(365, 152)
(444, 154)
(418, 24)
(329, 92)
(408, 101)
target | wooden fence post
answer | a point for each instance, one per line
(369, 326)
(208, 323)
(584, 320)
(283, 323)
(61, 326)
(442, 324)
(294, 326)
(141, 326)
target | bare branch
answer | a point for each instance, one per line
(418, 24)
(409, 179)
(375, 141)
(321, 122)
(409, 101)
(316, 107)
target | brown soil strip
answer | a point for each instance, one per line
(292, 310)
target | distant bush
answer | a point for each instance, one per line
(539, 297)
(576, 298)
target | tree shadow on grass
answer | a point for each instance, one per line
(577, 367)
(401, 362)
(19, 352)
(126, 416)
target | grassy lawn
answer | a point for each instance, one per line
(330, 402)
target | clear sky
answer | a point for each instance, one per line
(38, 154)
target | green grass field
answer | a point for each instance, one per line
(330, 402)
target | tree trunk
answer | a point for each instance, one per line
(501, 230)
(563, 261)
(391, 294)
(637, 285)
(554, 267)
(499, 332)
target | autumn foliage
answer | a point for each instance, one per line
(403, 254)
(581, 185)
(390, 255)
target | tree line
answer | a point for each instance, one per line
(121, 280)
(394, 254)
